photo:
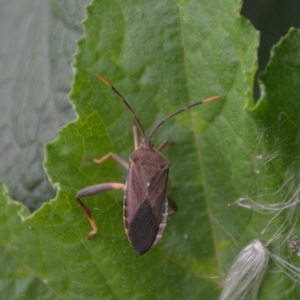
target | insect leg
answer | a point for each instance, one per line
(172, 207)
(116, 157)
(93, 190)
(163, 145)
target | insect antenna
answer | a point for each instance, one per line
(124, 101)
(179, 111)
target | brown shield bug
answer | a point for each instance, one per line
(145, 197)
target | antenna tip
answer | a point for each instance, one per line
(103, 80)
(211, 99)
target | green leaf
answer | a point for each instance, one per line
(277, 164)
(161, 56)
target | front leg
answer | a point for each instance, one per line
(116, 157)
(163, 145)
(93, 190)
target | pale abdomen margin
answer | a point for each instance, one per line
(144, 231)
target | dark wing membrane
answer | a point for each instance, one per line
(143, 229)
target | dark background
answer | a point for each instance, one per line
(272, 18)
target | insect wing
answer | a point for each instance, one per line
(145, 200)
